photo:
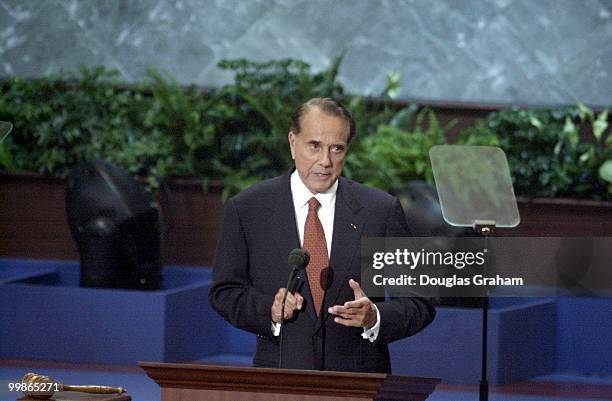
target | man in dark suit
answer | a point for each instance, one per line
(333, 328)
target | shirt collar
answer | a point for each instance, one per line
(301, 194)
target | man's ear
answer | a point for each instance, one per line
(292, 137)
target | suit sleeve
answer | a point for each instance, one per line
(402, 317)
(232, 294)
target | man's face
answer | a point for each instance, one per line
(319, 149)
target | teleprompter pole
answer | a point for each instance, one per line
(484, 229)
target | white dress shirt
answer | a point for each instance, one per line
(301, 195)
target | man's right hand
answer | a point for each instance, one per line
(293, 302)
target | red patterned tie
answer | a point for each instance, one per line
(315, 244)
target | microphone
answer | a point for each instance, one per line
(298, 260)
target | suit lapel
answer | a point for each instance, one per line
(348, 226)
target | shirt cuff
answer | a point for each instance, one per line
(276, 329)
(371, 334)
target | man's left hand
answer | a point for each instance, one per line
(358, 313)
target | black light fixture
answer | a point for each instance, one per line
(117, 227)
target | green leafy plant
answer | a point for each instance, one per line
(156, 129)
(6, 160)
(392, 156)
(546, 154)
(70, 117)
(603, 153)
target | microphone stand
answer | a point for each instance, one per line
(326, 279)
(282, 321)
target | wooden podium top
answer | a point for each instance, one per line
(347, 385)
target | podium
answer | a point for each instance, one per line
(198, 382)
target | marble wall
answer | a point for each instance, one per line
(538, 52)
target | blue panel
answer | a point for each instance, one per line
(81, 325)
(521, 344)
(525, 341)
(193, 328)
(49, 316)
(238, 341)
(507, 302)
(18, 269)
(585, 335)
(448, 348)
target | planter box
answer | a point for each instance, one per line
(33, 220)
(44, 314)
(562, 218)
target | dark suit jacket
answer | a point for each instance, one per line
(259, 231)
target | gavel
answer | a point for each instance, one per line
(44, 387)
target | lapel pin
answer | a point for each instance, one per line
(354, 226)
